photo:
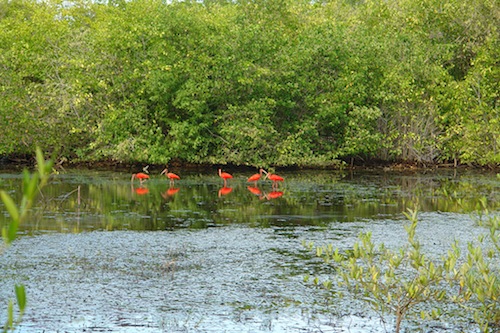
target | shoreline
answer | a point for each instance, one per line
(27, 162)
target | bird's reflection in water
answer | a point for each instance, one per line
(141, 191)
(256, 191)
(225, 191)
(170, 192)
(269, 196)
(274, 195)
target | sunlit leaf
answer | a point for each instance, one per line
(9, 233)
(40, 162)
(10, 316)
(21, 297)
(10, 205)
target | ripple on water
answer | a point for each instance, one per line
(227, 279)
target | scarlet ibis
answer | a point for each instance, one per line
(141, 176)
(225, 176)
(170, 175)
(275, 179)
(254, 178)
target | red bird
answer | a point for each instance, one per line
(254, 178)
(275, 179)
(225, 176)
(141, 176)
(170, 175)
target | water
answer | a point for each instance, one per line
(99, 256)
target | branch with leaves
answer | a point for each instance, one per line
(32, 184)
(391, 281)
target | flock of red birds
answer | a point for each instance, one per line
(142, 176)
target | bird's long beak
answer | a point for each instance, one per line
(164, 171)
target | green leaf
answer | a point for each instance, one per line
(10, 205)
(10, 317)
(21, 297)
(327, 284)
(9, 233)
(40, 162)
(30, 183)
(5, 236)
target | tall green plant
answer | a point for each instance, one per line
(397, 282)
(479, 277)
(32, 183)
(402, 281)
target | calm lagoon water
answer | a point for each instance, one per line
(102, 254)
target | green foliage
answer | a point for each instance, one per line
(397, 282)
(361, 136)
(404, 80)
(43, 99)
(249, 132)
(405, 281)
(31, 184)
(479, 277)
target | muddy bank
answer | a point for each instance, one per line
(18, 162)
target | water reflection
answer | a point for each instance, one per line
(274, 195)
(255, 190)
(109, 201)
(170, 192)
(141, 190)
(225, 190)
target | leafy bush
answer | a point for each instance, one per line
(479, 277)
(299, 83)
(405, 281)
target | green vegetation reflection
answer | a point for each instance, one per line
(86, 200)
